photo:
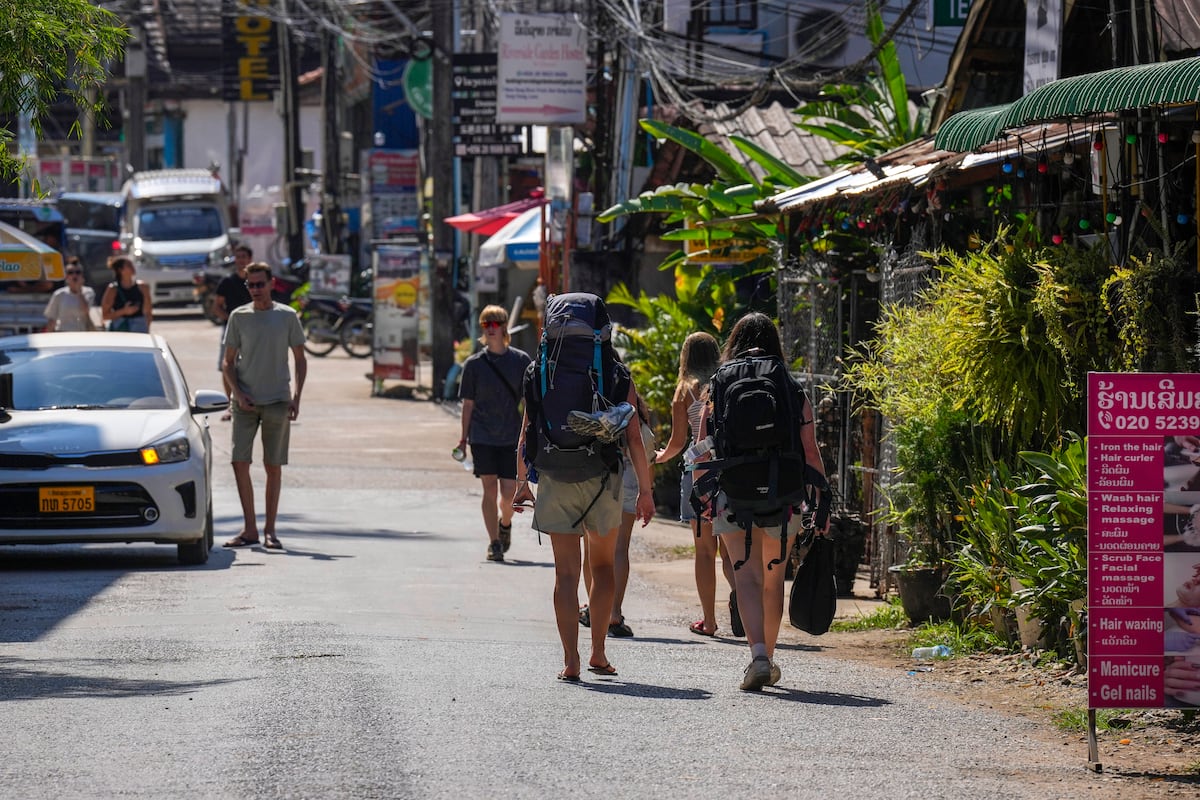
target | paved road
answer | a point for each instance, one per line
(382, 657)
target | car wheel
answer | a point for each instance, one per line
(195, 553)
(208, 526)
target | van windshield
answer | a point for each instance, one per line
(177, 223)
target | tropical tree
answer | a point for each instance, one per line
(50, 50)
(722, 243)
(871, 117)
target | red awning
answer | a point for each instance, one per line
(490, 220)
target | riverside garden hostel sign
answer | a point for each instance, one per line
(541, 70)
(1143, 540)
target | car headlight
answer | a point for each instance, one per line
(221, 257)
(169, 451)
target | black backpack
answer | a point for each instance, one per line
(755, 419)
(576, 370)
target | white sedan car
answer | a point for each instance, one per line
(100, 441)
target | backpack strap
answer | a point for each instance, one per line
(597, 366)
(603, 486)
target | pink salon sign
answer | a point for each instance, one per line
(1143, 540)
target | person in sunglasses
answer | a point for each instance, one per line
(70, 308)
(258, 336)
(491, 423)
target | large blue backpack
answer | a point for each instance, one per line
(576, 369)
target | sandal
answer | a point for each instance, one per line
(585, 617)
(697, 628)
(604, 669)
(619, 630)
(240, 541)
(735, 617)
(271, 542)
(569, 678)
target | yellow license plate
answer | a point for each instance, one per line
(66, 499)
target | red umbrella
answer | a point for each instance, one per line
(490, 220)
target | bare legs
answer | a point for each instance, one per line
(245, 487)
(707, 548)
(496, 505)
(759, 590)
(620, 570)
(568, 565)
(621, 565)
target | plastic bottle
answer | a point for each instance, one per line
(697, 450)
(938, 651)
(458, 454)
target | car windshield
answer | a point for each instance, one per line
(92, 215)
(176, 223)
(91, 378)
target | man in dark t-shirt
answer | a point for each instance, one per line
(231, 293)
(491, 422)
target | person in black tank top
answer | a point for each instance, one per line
(126, 305)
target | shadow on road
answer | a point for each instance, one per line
(25, 680)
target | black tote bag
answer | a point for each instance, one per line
(813, 600)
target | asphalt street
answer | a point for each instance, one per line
(381, 656)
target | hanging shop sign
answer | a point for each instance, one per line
(1143, 540)
(1043, 38)
(542, 70)
(251, 51)
(473, 107)
(948, 13)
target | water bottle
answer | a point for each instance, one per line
(459, 454)
(938, 651)
(697, 450)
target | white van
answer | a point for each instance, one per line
(175, 222)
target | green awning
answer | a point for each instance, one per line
(1122, 89)
(969, 129)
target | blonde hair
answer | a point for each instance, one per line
(698, 361)
(494, 314)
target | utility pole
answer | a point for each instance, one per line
(135, 100)
(440, 162)
(331, 175)
(290, 110)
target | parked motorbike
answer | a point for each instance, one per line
(332, 321)
(285, 283)
(205, 290)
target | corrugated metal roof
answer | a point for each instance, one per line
(773, 128)
(917, 163)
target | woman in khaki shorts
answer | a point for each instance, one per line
(568, 512)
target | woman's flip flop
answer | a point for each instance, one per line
(697, 628)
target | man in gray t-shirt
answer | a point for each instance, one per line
(257, 339)
(491, 423)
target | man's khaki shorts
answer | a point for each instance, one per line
(276, 430)
(560, 505)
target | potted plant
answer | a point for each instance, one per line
(921, 509)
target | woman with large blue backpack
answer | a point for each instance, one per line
(576, 378)
(760, 536)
